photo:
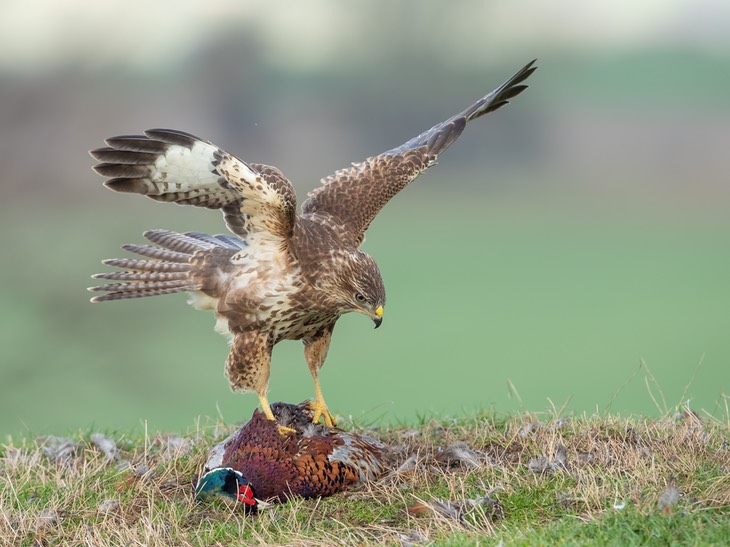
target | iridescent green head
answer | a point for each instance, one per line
(228, 482)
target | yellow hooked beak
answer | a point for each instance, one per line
(378, 316)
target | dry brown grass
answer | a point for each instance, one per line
(519, 480)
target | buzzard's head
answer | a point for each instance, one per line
(358, 285)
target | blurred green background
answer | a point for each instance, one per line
(559, 244)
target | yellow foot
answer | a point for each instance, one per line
(266, 407)
(321, 411)
(285, 431)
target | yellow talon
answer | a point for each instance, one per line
(285, 431)
(321, 411)
(266, 407)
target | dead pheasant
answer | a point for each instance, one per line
(257, 462)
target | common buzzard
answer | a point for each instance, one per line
(283, 276)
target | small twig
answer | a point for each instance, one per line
(665, 411)
(692, 379)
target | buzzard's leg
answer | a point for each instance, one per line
(248, 367)
(315, 352)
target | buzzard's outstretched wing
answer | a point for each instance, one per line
(353, 196)
(169, 165)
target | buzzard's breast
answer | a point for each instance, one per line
(264, 291)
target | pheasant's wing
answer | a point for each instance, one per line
(318, 474)
(352, 197)
(332, 462)
(173, 166)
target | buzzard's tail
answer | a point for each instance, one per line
(177, 263)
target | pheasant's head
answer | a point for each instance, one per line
(230, 483)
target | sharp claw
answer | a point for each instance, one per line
(285, 431)
(321, 411)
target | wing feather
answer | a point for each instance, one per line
(352, 197)
(173, 166)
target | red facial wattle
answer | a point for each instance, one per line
(245, 494)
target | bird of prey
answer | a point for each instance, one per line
(315, 461)
(284, 276)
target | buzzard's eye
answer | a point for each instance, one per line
(359, 297)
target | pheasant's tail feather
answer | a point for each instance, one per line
(171, 265)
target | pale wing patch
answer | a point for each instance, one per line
(268, 212)
(172, 166)
(182, 169)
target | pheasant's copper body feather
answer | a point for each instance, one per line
(314, 461)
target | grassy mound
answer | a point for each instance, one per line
(520, 480)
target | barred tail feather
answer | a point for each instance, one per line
(118, 291)
(229, 242)
(177, 242)
(147, 265)
(170, 267)
(156, 253)
(142, 276)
